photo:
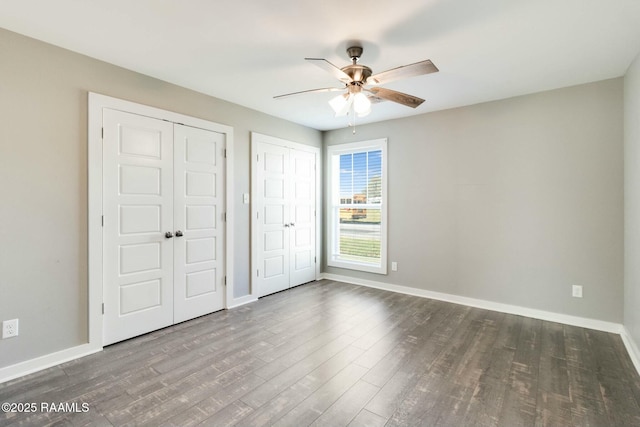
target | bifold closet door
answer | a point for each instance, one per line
(163, 254)
(285, 216)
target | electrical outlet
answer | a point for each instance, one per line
(577, 291)
(10, 328)
(394, 266)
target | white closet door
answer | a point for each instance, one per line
(284, 186)
(273, 218)
(138, 211)
(198, 222)
(302, 220)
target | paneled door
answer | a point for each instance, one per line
(138, 211)
(163, 240)
(285, 182)
(273, 219)
(302, 220)
(198, 218)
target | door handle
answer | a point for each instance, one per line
(168, 234)
(178, 233)
(292, 224)
(286, 225)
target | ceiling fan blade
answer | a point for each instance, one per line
(417, 69)
(375, 99)
(395, 96)
(331, 69)
(324, 89)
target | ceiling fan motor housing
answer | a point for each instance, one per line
(358, 73)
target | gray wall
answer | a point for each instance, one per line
(632, 201)
(43, 182)
(510, 201)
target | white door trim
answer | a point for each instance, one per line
(96, 104)
(256, 138)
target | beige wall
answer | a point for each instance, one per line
(632, 201)
(510, 201)
(43, 182)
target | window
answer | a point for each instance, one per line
(357, 211)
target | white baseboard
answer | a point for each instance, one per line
(43, 362)
(632, 348)
(566, 319)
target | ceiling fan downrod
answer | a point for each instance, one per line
(354, 52)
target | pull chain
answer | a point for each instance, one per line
(353, 114)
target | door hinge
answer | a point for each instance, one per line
(258, 215)
(257, 157)
(258, 273)
(102, 308)
(225, 153)
(224, 216)
(225, 280)
(315, 260)
(102, 133)
(103, 220)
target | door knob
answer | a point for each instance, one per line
(168, 234)
(178, 233)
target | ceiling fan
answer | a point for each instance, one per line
(361, 85)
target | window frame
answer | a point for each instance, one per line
(333, 201)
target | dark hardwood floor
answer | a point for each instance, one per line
(334, 354)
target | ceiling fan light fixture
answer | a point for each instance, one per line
(338, 102)
(341, 104)
(361, 104)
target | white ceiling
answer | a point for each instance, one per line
(247, 51)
